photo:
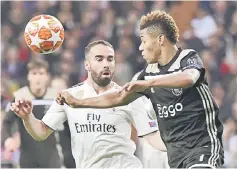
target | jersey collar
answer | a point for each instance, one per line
(91, 89)
(167, 66)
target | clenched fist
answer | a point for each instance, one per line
(22, 108)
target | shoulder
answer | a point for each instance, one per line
(23, 93)
(140, 75)
(135, 77)
(78, 86)
(188, 53)
(77, 90)
(51, 93)
(184, 54)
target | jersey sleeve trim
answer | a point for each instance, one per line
(147, 132)
(48, 126)
(193, 59)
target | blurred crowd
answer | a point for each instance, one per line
(208, 27)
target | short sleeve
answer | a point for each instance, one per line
(55, 116)
(143, 116)
(193, 61)
(140, 76)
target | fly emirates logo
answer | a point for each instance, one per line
(94, 125)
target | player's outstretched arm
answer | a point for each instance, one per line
(36, 128)
(154, 139)
(104, 101)
(186, 78)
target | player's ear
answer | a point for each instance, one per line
(161, 39)
(87, 65)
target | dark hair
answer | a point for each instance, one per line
(160, 20)
(37, 63)
(94, 43)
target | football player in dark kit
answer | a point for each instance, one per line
(54, 152)
(174, 80)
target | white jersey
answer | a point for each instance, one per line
(145, 152)
(101, 137)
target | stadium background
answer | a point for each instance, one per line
(208, 27)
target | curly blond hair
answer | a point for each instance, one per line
(160, 21)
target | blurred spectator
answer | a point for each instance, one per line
(232, 87)
(123, 70)
(219, 8)
(193, 42)
(59, 83)
(11, 63)
(204, 25)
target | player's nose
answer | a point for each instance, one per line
(140, 47)
(106, 63)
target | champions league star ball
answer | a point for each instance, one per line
(44, 34)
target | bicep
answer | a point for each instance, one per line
(193, 74)
(192, 64)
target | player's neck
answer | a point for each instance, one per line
(99, 89)
(167, 54)
(37, 92)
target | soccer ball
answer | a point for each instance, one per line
(44, 34)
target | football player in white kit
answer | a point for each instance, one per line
(100, 137)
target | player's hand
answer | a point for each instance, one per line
(67, 98)
(22, 108)
(135, 86)
(11, 144)
(59, 99)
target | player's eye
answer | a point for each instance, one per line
(110, 59)
(99, 59)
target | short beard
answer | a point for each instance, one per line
(98, 80)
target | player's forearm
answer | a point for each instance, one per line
(7, 124)
(6, 129)
(154, 139)
(36, 128)
(105, 101)
(175, 80)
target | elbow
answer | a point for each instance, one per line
(163, 148)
